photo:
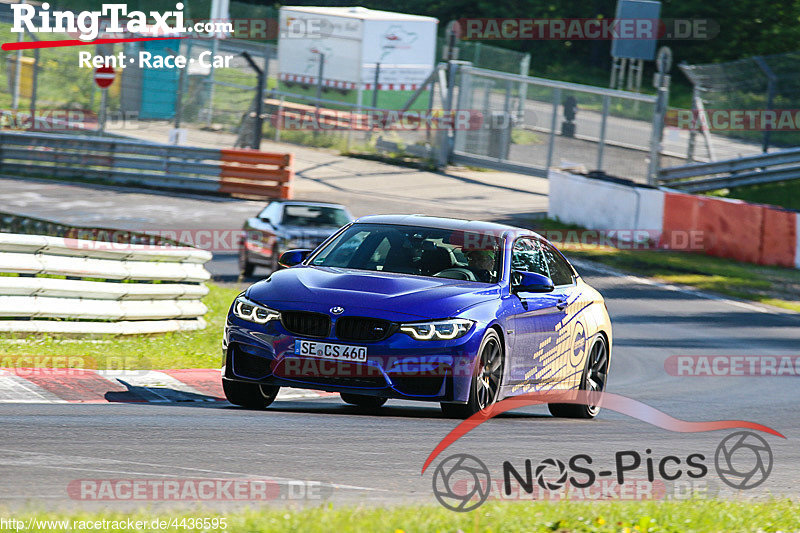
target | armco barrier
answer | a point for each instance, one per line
(728, 228)
(106, 287)
(130, 162)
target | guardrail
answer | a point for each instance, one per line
(128, 162)
(52, 284)
(749, 170)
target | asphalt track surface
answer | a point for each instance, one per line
(376, 458)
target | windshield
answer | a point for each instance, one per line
(415, 250)
(314, 216)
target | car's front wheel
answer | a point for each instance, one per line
(249, 395)
(486, 380)
(593, 378)
(367, 402)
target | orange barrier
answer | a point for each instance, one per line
(733, 228)
(244, 173)
(779, 238)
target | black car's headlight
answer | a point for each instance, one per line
(437, 330)
(252, 312)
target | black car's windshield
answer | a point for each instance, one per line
(314, 216)
(422, 251)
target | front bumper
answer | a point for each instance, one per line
(398, 367)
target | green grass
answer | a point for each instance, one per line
(195, 349)
(770, 285)
(782, 193)
(629, 517)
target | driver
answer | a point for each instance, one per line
(481, 263)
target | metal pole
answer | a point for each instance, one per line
(771, 79)
(553, 122)
(320, 73)
(103, 102)
(375, 85)
(506, 148)
(655, 137)
(279, 122)
(181, 90)
(693, 131)
(34, 86)
(602, 145)
(258, 124)
(524, 67)
(210, 82)
(17, 72)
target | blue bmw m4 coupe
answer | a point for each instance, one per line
(463, 313)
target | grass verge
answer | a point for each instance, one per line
(639, 517)
(769, 285)
(783, 193)
(194, 349)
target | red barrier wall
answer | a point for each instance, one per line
(734, 229)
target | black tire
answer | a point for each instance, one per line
(367, 402)
(486, 379)
(245, 267)
(249, 395)
(593, 378)
(273, 262)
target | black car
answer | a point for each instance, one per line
(287, 224)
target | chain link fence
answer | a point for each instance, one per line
(756, 85)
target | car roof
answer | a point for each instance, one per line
(306, 202)
(443, 223)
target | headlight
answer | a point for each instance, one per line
(439, 330)
(252, 312)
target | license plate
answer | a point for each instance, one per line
(326, 350)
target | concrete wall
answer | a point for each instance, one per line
(721, 227)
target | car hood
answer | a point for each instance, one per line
(383, 295)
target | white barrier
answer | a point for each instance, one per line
(605, 205)
(114, 294)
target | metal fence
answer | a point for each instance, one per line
(752, 84)
(531, 124)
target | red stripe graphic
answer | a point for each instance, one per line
(77, 42)
(614, 402)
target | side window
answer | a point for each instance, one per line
(527, 256)
(560, 271)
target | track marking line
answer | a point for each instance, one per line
(590, 265)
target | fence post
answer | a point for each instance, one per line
(656, 134)
(553, 122)
(602, 144)
(524, 67)
(375, 85)
(771, 82)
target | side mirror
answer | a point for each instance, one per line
(290, 258)
(531, 282)
(268, 221)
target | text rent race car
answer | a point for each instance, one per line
(464, 313)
